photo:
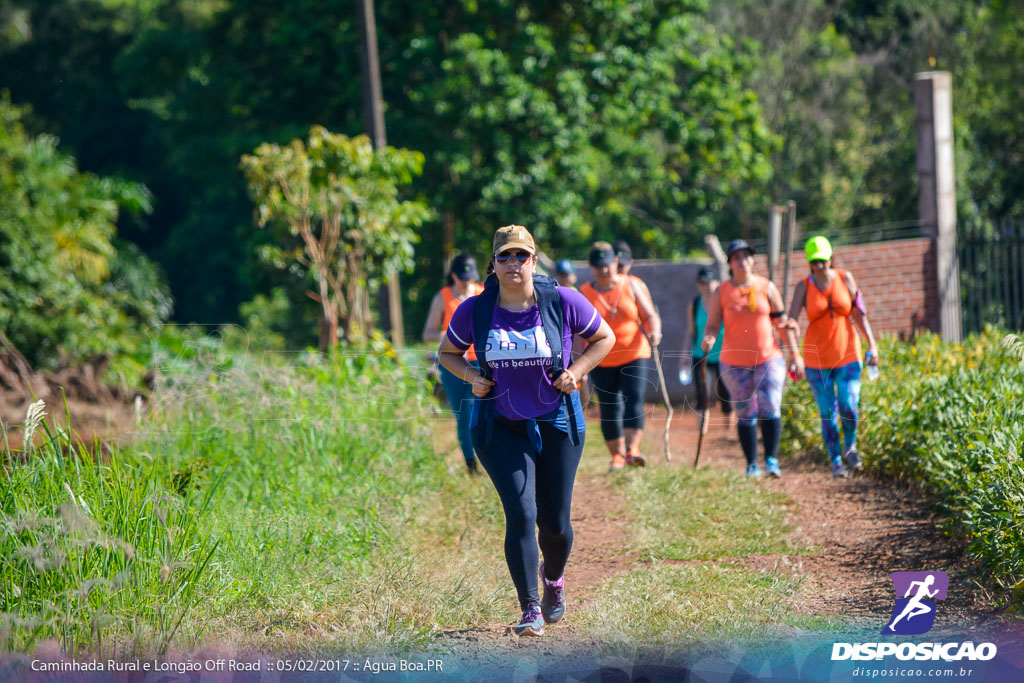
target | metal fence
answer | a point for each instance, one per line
(991, 275)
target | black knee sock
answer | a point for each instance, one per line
(771, 434)
(748, 439)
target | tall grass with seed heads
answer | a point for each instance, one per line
(102, 556)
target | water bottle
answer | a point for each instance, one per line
(685, 375)
(872, 369)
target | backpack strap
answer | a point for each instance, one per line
(482, 420)
(552, 317)
(483, 313)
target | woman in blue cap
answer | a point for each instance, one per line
(565, 273)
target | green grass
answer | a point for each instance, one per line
(274, 504)
(302, 504)
(670, 607)
(704, 515)
(692, 530)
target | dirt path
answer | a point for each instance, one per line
(861, 530)
(858, 529)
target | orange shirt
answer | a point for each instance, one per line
(830, 340)
(619, 309)
(451, 302)
(748, 338)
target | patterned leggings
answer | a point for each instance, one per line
(757, 391)
(824, 384)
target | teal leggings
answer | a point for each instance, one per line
(837, 392)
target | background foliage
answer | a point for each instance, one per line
(656, 120)
(68, 288)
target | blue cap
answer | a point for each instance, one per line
(737, 245)
(565, 267)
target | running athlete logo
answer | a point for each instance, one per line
(914, 613)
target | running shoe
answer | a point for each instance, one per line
(636, 460)
(839, 470)
(552, 604)
(771, 466)
(532, 623)
(618, 462)
(853, 459)
(753, 470)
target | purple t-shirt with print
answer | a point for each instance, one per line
(519, 353)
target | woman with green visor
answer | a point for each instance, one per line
(832, 350)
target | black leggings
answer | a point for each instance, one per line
(620, 393)
(701, 369)
(536, 494)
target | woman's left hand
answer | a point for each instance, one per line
(873, 360)
(566, 382)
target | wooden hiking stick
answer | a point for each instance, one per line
(664, 390)
(702, 375)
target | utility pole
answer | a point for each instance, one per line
(373, 114)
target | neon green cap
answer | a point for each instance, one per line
(818, 249)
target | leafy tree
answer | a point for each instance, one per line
(580, 120)
(65, 288)
(338, 200)
(810, 84)
(988, 103)
(896, 39)
(584, 120)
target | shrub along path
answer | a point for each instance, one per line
(844, 538)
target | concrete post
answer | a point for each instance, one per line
(936, 204)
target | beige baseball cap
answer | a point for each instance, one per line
(513, 237)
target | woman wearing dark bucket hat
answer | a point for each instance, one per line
(752, 365)
(462, 284)
(529, 423)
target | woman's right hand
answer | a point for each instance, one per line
(707, 343)
(481, 386)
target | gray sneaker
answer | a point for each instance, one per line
(853, 459)
(552, 604)
(532, 623)
(839, 470)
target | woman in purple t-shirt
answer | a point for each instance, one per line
(530, 457)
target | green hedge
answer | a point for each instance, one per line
(949, 417)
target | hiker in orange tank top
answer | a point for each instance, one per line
(462, 284)
(621, 378)
(831, 349)
(751, 361)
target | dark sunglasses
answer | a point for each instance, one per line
(506, 256)
(818, 260)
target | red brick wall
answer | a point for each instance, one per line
(897, 280)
